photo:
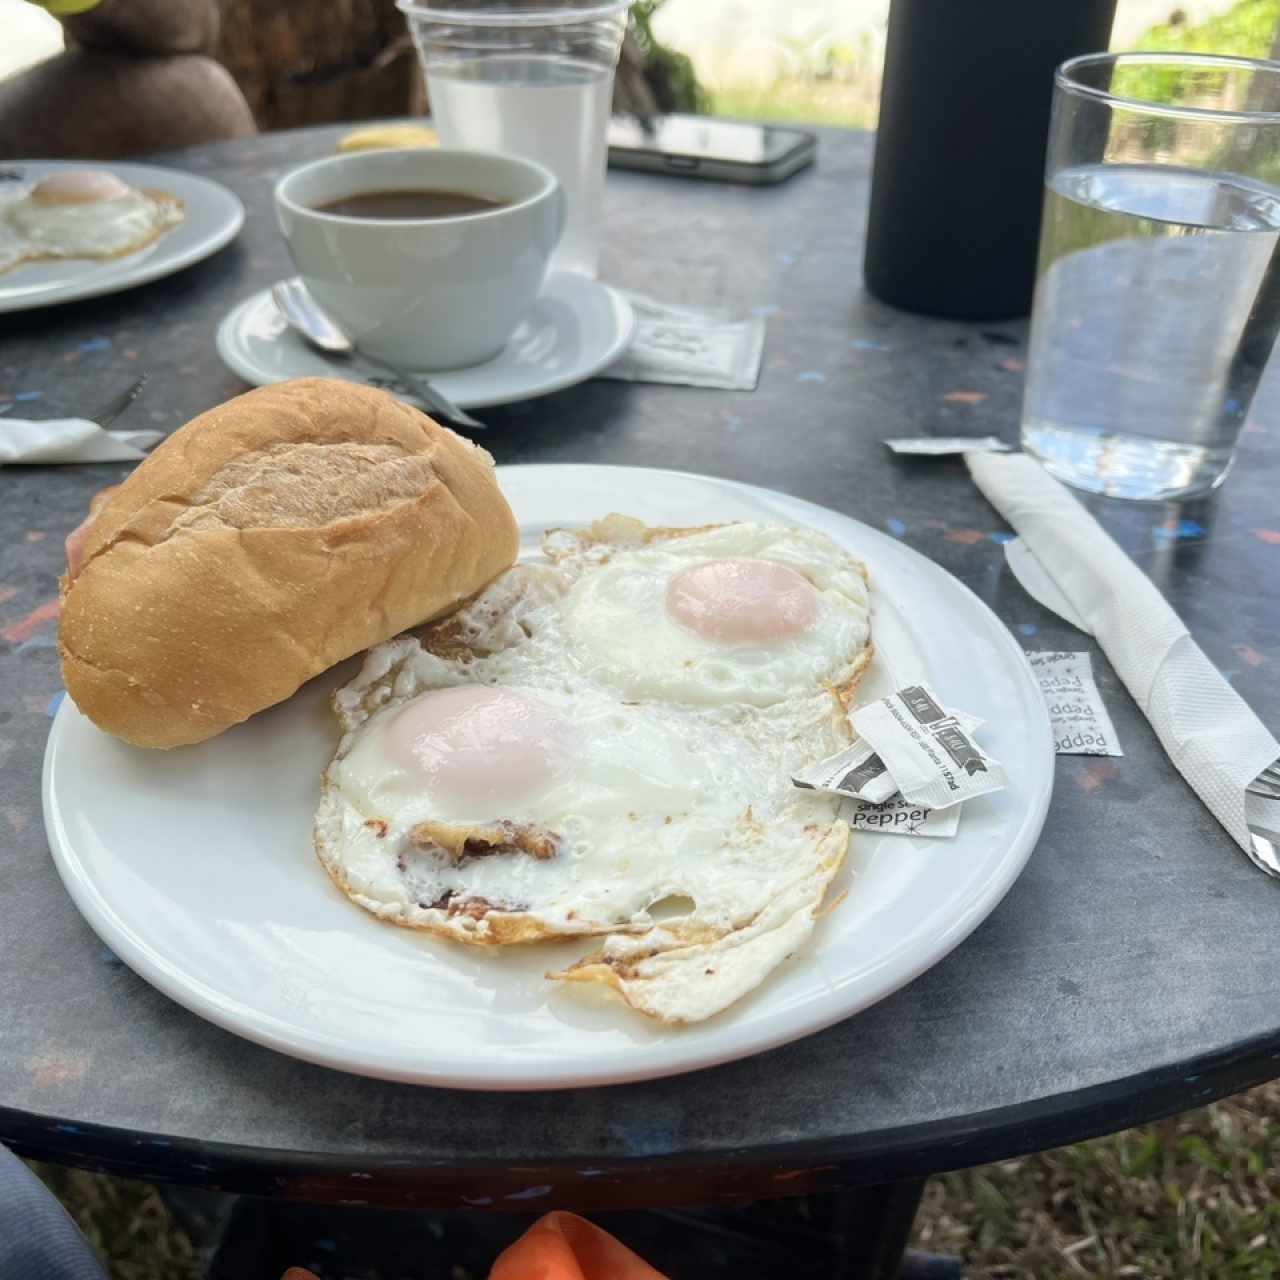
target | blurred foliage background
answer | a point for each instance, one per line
(1249, 29)
(806, 60)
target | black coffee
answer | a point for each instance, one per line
(409, 204)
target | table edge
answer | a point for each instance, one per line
(407, 1180)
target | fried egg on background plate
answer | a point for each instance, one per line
(81, 213)
(611, 731)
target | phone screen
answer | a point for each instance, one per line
(703, 138)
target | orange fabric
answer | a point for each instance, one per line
(563, 1246)
(297, 1273)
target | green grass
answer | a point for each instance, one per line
(845, 89)
(801, 100)
(126, 1222)
(1193, 1198)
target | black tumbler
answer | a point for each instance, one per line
(959, 168)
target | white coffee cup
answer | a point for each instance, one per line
(428, 293)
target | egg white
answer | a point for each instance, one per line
(657, 802)
(662, 800)
(617, 626)
(30, 230)
(13, 247)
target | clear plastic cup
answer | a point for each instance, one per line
(532, 80)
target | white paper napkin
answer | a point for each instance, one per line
(1210, 733)
(1039, 585)
(690, 346)
(69, 440)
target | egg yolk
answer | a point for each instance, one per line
(78, 186)
(480, 746)
(742, 601)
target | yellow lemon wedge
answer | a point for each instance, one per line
(388, 135)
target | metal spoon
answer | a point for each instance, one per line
(304, 314)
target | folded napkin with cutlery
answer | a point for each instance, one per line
(1211, 735)
(41, 443)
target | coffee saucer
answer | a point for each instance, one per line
(576, 328)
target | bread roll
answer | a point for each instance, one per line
(263, 542)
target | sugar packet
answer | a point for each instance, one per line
(927, 751)
(690, 347)
(936, 446)
(1081, 725)
(858, 771)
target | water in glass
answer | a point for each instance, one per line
(554, 110)
(1157, 305)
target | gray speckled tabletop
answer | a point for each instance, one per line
(1128, 974)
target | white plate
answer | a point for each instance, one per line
(195, 866)
(576, 328)
(213, 217)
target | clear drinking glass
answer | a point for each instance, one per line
(534, 80)
(1157, 295)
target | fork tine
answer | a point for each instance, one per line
(1271, 772)
(107, 415)
(1267, 790)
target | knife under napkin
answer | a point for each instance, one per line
(1211, 735)
(40, 443)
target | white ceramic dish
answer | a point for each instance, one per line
(443, 293)
(213, 217)
(196, 867)
(576, 328)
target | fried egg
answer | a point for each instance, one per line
(753, 613)
(497, 783)
(81, 213)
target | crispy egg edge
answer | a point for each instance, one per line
(640, 978)
(175, 207)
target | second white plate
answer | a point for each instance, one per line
(577, 327)
(213, 216)
(196, 866)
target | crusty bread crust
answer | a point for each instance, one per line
(262, 543)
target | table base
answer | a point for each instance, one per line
(858, 1234)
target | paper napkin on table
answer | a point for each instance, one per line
(1215, 740)
(69, 440)
(690, 346)
(1039, 585)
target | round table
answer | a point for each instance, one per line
(1125, 977)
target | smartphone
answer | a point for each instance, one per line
(703, 147)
